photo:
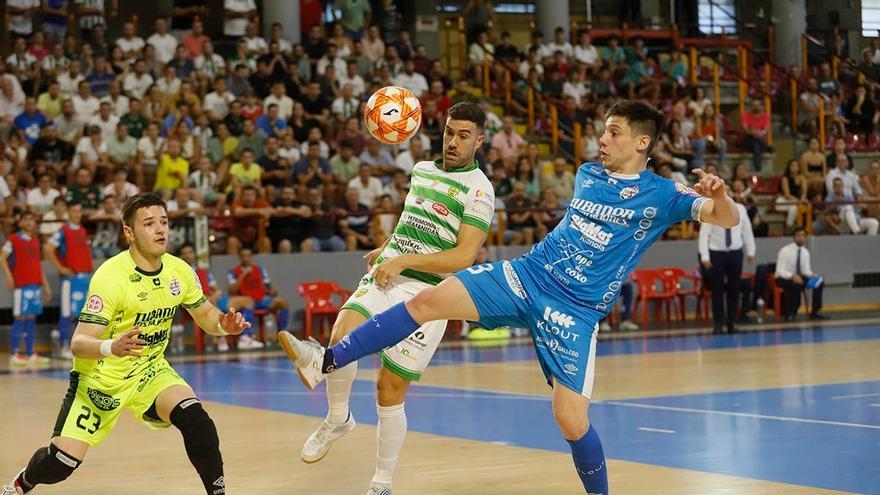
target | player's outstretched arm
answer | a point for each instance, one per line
(720, 209)
(88, 344)
(215, 322)
(467, 246)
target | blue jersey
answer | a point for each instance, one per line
(611, 221)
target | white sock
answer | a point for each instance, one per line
(338, 391)
(389, 440)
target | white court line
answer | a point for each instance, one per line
(874, 405)
(655, 430)
(854, 396)
(476, 395)
(743, 415)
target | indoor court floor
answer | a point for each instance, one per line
(790, 411)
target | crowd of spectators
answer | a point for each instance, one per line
(268, 138)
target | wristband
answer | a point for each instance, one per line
(106, 348)
(220, 331)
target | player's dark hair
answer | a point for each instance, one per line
(643, 119)
(469, 111)
(184, 246)
(138, 201)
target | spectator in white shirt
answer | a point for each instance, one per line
(412, 80)
(560, 43)
(85, 105)
(169, 83)
(345, 106)
(164, 42)
(236, 14)
(575, 86)
(585, 52)
(40, 198)
(279, 97)
(352, 77)
(849, 212)
(793, 273)
(532, 61)
(69, 80)
(119, 103)
(106, 121)
(331, 58)
(217, 102)
(406, 160)
(120, 187)
(209, 64)
(256, 45)
(137, 82)
(851, 185)
(721, 257)
(130, 43)
(368, 187)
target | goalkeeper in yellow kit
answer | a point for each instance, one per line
(119, 355)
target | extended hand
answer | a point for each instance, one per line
(709, 185)
(233, 322)
(383, 274)
(128, 344)
(372, 256)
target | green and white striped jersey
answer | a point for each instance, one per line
(438, 202)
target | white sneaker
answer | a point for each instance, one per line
(604, 327)
(628, 326)
(222, 345)
(18, 360)
(319, 442)
(377, 489)
(306, 355)
(37, 360)
(247, 343)
(13, 488)
(66, 353)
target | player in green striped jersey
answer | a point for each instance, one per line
(445, 221)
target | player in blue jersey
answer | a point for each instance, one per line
(565, 285)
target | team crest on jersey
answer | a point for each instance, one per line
(361, 292)
(174, 286)
(629, 192)
(134, 278)
(685, 189)
(453, 191)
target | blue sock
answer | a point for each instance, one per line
(248, 315)
(380, 331)
(17, 330)
(64, 330)
(282, 318)
(589, 461)
(30, 335)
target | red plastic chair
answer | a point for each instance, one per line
(654, 286)
(318, 299)
(690, 288)
(778, 292)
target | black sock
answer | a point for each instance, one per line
(201, 442)
(329, 364)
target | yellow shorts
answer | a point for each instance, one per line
(91, 407)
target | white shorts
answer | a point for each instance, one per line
(409, 357)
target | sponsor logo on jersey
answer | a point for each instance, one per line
(440, 208)
(103, 401)
(174, 286)
(155, 338)
(603, 213)
(685, 189)
(135, 278)
(361, 292)
(587, 183)
(422, 224)
(155, 317)
(480, 193)
(95, 304)
(629, 192)
(482, 206)
(570, 369)
(558, 329)
(555, 347)
(558, 318)
(419, 199)
(157, 282)
(513, 281)
(591, 233)
(142, 296)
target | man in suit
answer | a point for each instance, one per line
(793, 273)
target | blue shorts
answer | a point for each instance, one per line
(264, 302)
(27, 300)
(223, 303)
(73, 294)
(564, 332)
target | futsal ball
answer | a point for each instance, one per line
(393, 115)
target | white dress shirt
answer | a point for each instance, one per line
(850, 181)
(713, 238)
(786, 262)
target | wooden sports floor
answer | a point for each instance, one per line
(792, 410)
